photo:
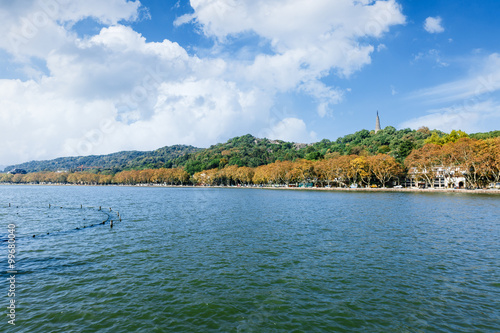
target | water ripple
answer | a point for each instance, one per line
(222, 260)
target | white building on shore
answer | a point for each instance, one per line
(438, 177)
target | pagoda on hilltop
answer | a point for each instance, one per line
(377, 124)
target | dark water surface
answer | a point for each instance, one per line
(246, 260)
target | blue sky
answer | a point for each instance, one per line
(94, 77)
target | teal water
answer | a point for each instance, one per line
(247, 260)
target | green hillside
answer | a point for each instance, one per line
(250, 151)
(111, 163)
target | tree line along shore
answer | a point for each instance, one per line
(476, 160)
(250, 151)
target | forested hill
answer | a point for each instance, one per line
(250, 151)
(112, 163)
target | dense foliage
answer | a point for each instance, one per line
(111, 163)
(252, 152)
(174, 176)
(337, 170)
(241, 151)
(361, 158)
(477, 160)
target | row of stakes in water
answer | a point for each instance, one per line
(81, 207)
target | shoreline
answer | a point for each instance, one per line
(338, 189)
(413, 190)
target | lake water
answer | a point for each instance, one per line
(248, 260)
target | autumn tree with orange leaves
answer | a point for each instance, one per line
(384, 168)
(478, 160)
(421, 162)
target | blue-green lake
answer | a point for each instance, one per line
(250, 260)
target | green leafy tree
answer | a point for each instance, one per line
(404, 149)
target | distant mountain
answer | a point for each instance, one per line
(112, 162)
(247, 150)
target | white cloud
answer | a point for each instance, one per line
(469, 117)
(322, 34)
(381, 47)
(291, 129)
(325, 96)
(36, 122)
(471, 104)
(116, 91)
(107, 12)
(35, 28)
(433, 25)
(292, 23)
(309, 39)
(484, 80)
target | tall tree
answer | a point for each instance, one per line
(422, 163)
(384, 168)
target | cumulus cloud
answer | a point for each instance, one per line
(319, 35)
(433, 25)
(309, 40)
(36, 122)
(115, 91)
(291, 129)
(35, 28)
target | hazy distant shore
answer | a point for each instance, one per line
(341, 189)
